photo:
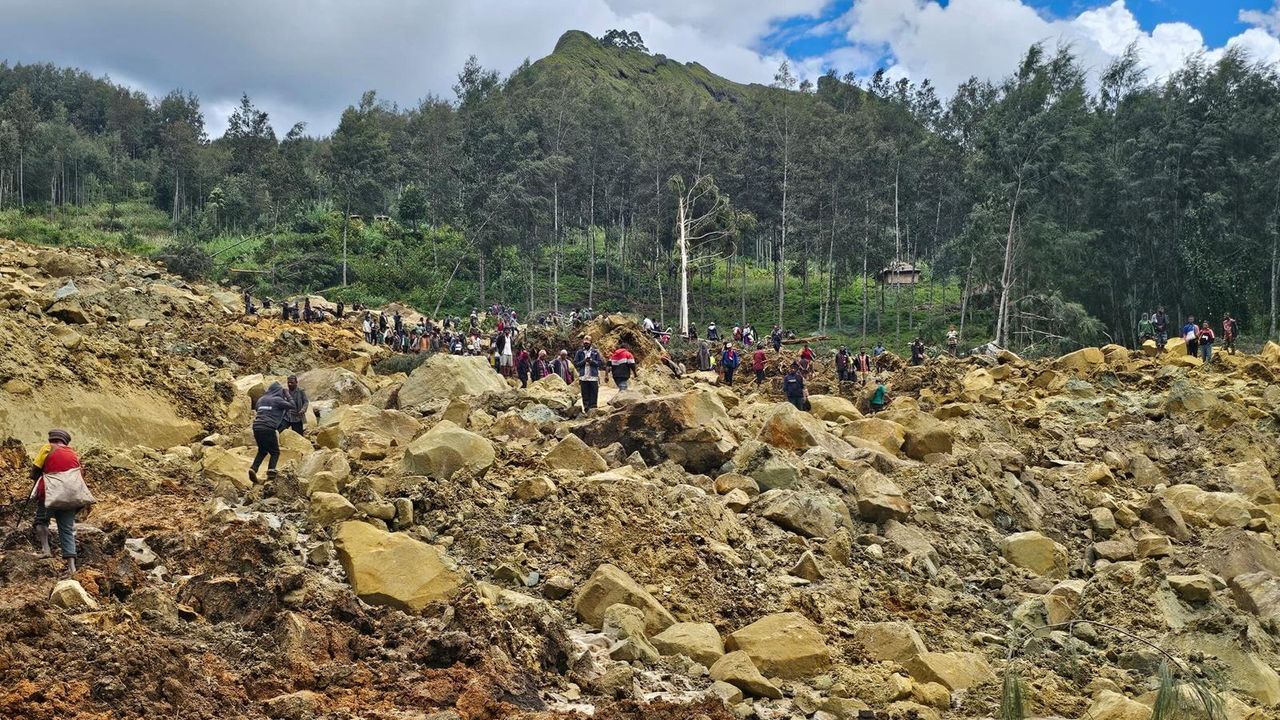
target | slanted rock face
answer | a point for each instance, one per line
(879, 499)
(1203, 508)
(334, 383)
(445, 376)
(357, 426)
(791, 429)
(610, 585)
(783, 645)
(925, 434)
(737, 670)
(393, 569)
(1037, 553)
(1259, 593)
(811, 514)
(699, 641)
(833, 408)
(885, 434)
(1109, 705)
(954, 671)
(1083, 359)
(691, 428)
(445, 449)
(573, 454)
(220, 465)
(894, 641)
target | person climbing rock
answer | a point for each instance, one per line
(793, 387)
(59, 493)
(268, 420)
(296, 415)
(622, 365)
(588, 361)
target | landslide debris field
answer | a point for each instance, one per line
(443, 545)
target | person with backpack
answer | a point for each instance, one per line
(268, 420)
(757, 363)
(622, 365)
(712, 332)
(1191, 335)
(1230, 328)
(729, 361)
(793, 387)
(1206, 342)
(588, 361)
(59, 493)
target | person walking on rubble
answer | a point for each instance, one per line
(758, 363)
(268, 420)
(622, 365)
(588, 361)
(59, 493)
(729, 361)
(793, 387)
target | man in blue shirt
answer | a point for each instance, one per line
(1191, 334)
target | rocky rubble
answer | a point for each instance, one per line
(446, 545)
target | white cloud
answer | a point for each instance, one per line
(987, 38)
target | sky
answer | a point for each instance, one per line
(306, 60)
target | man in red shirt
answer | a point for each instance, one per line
(55, 457)
(621, 365)
(757, 363)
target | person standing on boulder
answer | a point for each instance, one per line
(1206, 342)
(758, 363)
(296, 415)
(1229, 329)
(622, 364)
(729, 360)
(793, 387)
(57, 463)
(588, 361)
(1146, 331)
(268, 419)
(1160, 321)
(1191, 335)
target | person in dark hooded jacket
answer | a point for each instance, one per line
(268, 419)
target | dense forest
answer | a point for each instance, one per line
(1049, 209)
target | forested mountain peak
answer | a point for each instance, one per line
(625, 66)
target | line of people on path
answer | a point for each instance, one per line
(1199, 338)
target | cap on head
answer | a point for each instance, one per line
(60, 435)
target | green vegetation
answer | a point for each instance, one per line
(1042, 213)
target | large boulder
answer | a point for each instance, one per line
(791, 429)
(954, 671)
(1203, 508)
(699, 641)
(1259, 593)
(769, 467)
(328, 509)
(883, 434)
(226, 466)
(691, 429)
(1037, 553)
(445, 376)
(1249, 478)
(394, 569)
(445, 449)
(737, 669)
(610, 585)
(553, 392)
(808, 513)
(926, 435)
(70, 595)
(786, 645)
(833, 408)
(894, 641)
(1186, 396)
(366, 429)
(1083, 359)
(573, 454)
(333, 383)
(1110, 705)
(879, 498)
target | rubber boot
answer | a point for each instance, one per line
(42, 537)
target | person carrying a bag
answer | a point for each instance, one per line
(59, 492)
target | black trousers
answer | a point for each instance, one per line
(268, 444)
(590, 391)
(297, 427)
(728, 376)
(759, 377)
